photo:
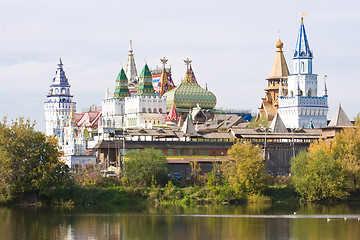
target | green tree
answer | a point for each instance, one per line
(145, 167)
(258, 122)
(317, 175)
(244, 170)
(29, 162)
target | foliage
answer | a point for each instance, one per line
(195, 172)
(244, 170)
(29, 162)
(346, 148)
(146, 167)
(214, 178)
(256, 122)
(317, 175)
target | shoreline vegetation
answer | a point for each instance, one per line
(30, 174)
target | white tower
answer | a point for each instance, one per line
(303, 106)
(58, 104)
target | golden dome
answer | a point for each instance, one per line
(279, 44)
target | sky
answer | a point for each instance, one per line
(231, 44)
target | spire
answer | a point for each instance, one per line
(302, 48)
(72, 120)
(145, 82)
(279, 69)
(189, 76)
(60, 77)
(311, 125)
(164, 81)
(281, 93)
(130, 70)
(325, 87)
(298, 90)
(121, 89)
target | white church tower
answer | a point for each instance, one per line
(58, 104)
(303, 108)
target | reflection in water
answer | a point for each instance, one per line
(256, 221)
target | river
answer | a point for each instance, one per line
(252, 221)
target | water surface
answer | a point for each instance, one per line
(254, 221)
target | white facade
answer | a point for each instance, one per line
(144, 111)
(113, 110)
(58, 105)
(303, 107)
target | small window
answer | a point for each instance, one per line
(149, 110)
(154, 111)
(160, 110)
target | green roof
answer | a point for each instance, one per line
(145, 72)
(188, 95)
(122, 75)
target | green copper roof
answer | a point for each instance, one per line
(188, 95)
(145, 72)
(122, 75)
(121, 88)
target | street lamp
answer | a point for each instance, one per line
(293, 143)
(265, 129)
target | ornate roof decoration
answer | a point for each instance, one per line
(302, 48)
(340, 119)
(189, 76)
(277, 125)
(121, 89)
(279, 69)
(60, 78)
(130, 70)
(172, 116)
(189, 94)
(145, 82)
(164, 83)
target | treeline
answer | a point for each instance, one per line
(30, 172)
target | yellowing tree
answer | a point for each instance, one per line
(317, 175)
(346, 148)
(244, 170)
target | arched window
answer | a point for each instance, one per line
(309, 93)
(144, 110)
(154, 111)
(149, 110)
(63, 91)
(303, 66)
(56, 91)
(160, 110)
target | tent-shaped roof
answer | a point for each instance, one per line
(340, 119)
(279, 69)
(188, 128)
(277, 125)
(173, 115)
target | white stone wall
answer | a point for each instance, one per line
(306, 83)
(113, 110)
(297, 112)
(145, 104)
(56, 113)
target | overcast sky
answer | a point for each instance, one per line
(231, 44)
